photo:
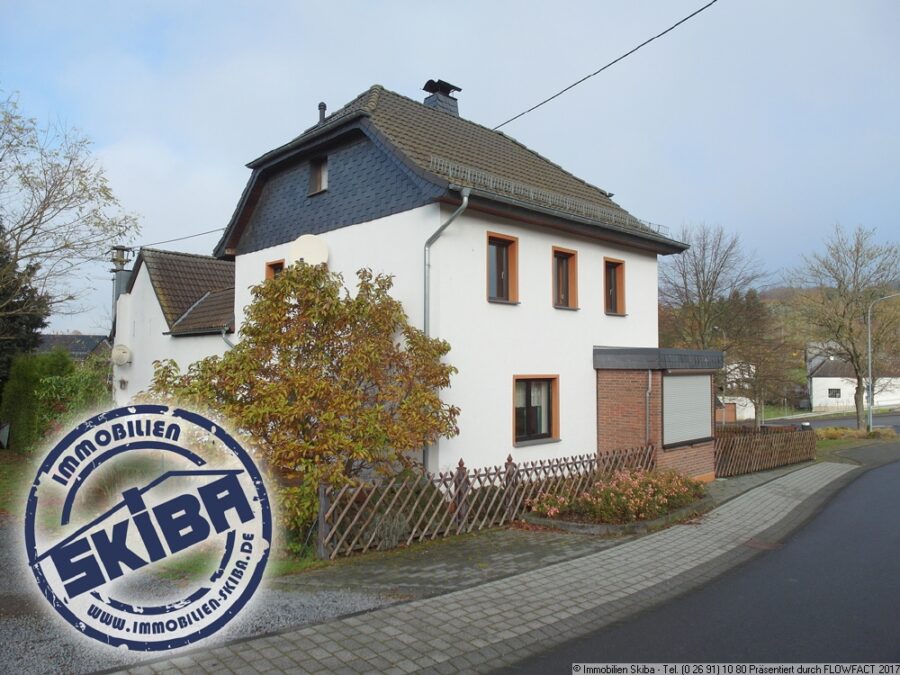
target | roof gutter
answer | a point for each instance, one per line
(427, 251)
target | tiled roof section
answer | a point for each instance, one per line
(210, 314)
(468, 154)
(78, 346)
(181, 279)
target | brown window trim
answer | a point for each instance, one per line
(572, 256)
(273, 267)
(620, 287)
(513, 262)
(554, 410)
(317, 169)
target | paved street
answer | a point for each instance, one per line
(830, 594)
(498, 623)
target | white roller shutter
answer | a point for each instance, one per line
(687, 408)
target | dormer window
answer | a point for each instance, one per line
(318, 175)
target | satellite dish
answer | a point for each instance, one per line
(310, 248)
(120, 355)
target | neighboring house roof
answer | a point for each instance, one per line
(211, 313)
(446, 149)
(78, 346)
(839, 368)
(182, 283)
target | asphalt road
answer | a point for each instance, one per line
(830, 593)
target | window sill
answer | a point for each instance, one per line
(535, 441)
(500, 301)
(571, 309)
(616, 314)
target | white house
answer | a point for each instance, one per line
(832, 384)
(545, 288)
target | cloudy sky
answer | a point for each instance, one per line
(773, 119)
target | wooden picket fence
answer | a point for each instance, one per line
(398, 511)
(738, 453)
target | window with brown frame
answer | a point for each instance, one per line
(565, 278)
(318, 175)
(502, 268)
(614, 273)
(274, 268)
(535, 408)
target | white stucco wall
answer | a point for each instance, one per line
(887, 393)
(493, 342)
(140, 325)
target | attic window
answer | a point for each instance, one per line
(274, 268)
(318, 175)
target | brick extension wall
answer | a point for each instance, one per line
(621, 422)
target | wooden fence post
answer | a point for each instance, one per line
(510, 491)
(460, 485)
(322, 529)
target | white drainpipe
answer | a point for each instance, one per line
(427, 261)
(427, 273)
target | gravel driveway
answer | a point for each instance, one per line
(36, 640)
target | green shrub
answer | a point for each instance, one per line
(20, 406)
(624, 497)
(64, 399)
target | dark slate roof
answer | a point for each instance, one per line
(180, 280)
(210, 314)
(649, 358)
(839, 368)
(449, 149)
(78, 346)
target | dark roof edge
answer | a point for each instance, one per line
(590, 228)
(651, 358)
(199, 331)
(306, 137)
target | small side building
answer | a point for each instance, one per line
(176, 306)
(659, 397)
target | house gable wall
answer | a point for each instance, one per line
(365, 182)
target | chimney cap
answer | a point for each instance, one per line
(440, 87)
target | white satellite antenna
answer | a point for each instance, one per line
(310, 248)
(120, 355)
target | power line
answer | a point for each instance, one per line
(190, 236)
(611, 63)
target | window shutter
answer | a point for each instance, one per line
(687, 408)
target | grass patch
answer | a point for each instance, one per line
(771, 412)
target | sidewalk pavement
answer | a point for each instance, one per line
(500, 622)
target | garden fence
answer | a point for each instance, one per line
(407, 508)
(738, 453)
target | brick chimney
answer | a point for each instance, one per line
(441, 98)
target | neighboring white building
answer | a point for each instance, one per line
(832, 384)
(531, 271)
(176, 306)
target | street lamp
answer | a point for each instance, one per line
(869, 335)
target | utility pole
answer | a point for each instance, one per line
(871, 392)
